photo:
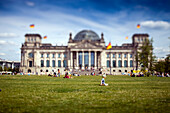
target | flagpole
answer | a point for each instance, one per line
(110, 56)
(109, 47)
(110, 61)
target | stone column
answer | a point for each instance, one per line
(56, 59)
(128, 60)
(44, 58)
(116, 59)
(111, 62)
(38, 60)
(62, 59)
(12, 65)
(89, 59)
(34, 60)
(71, 59)
(82, 59)
(50, 59)
(77, 58)
(3, 65)
(25, 58)
(95, 59)
(122, 60)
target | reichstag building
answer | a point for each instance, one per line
(85, 52)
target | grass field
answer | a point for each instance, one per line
(23, 93)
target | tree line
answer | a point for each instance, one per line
(16, 69)
(146, 60)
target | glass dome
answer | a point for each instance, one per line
(86, 35)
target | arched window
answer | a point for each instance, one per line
(53, 63)
(120, 63)
(131, 63)
(114, 63)
(125, 63)
(30, 55)
(108, 63)
(42, 63)
(29, 70)
(48, 63)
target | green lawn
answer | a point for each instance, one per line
(21, 93)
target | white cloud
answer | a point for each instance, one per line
(7, 35)
(160, 51)
(155, 24)
(29, 3)
(2, 54)
(12, 43)
(2, 42)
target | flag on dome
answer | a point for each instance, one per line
(45, 37)
(109, 46)
(138, 26)
(126, 37)
(32, 26)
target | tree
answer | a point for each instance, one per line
(145, 56)
(163, 66)
(9, 69)
(160, 67)
(167, 64)
(5, 68)
(1, 68)
(16, 69)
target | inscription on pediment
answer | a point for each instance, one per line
(84, 45)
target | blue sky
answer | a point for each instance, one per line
(57, 18)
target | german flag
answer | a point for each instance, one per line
(126, 37)
(138, 26)
(109, 46)
(45, 37)
(32, 26)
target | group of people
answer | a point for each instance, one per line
(137, 75)
(55, 74)
(68, 75)
(162, 75)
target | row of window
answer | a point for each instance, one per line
(31, 55)
(54, 63)
(31, 39)
(119, 55)
(141, 39)
(53, 55)
(119, 63)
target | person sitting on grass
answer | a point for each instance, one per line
(55, 75)
(58, 72)
(66, 75)
(69, 73)
(103, 80)
(50, 75)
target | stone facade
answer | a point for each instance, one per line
(86, 51)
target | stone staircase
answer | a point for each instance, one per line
(85, 72)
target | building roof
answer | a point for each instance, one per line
(86, 35)
(33, 35)
(140, 35)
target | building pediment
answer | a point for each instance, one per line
(86, 45)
